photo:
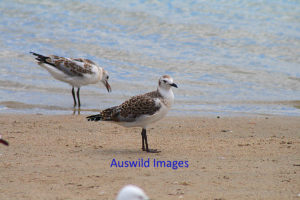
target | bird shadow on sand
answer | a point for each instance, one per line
(115, 152)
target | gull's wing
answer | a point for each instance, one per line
(69, 66)
(138, 106)
(131, 109)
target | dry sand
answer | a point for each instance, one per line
(66, 157)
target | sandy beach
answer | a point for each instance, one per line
(66, 157)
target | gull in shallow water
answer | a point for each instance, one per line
(2, 141)
(142, 110)
(132, 192)
(75, 71)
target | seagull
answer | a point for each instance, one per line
(3, 141)
(142, 110)
(75, 71)
(132, 192)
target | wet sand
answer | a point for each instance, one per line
(66, 157)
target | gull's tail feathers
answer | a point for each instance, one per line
(42, 59)
(106, 115)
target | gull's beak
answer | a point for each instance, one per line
(3, 141)
(174, 85)
(107, 86)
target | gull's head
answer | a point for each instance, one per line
(166, 82)
(131, 192)
(104, 80)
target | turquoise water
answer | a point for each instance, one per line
(227, 57)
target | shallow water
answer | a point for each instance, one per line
(227, 57)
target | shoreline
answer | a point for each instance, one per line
(202, 109)
(67, 157)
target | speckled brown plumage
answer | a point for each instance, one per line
(70, 66)
(140, 105)
(84, 60)
(131, 109)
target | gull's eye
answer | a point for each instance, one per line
(107, 77)
(164, 81)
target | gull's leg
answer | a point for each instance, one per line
(146, 141)
(73, 93)
(78, 98)
(143, 138)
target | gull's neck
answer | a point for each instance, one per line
(166, 93)
(167, 96)
(100, 73)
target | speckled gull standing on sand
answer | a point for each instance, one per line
(142, 110)
(75, 71)
(2, 141)
(132, 192)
